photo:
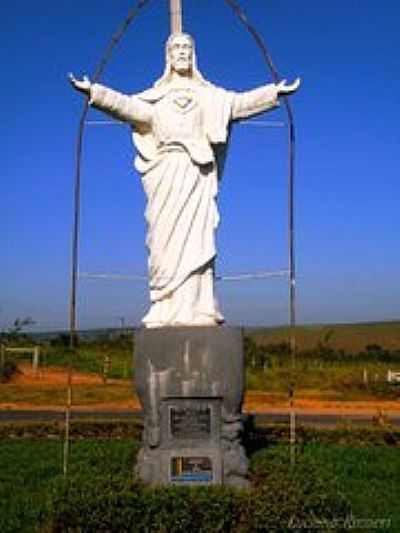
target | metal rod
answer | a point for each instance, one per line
(74, 277)
(235, 277)
(76, 224)
(292, 425)
(67, 426)
(263, 123)
(175, 9)
(260, 123)
(291, 229)
(118, 277)
(258, 275)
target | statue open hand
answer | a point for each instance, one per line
(285, 88)
(80, 85)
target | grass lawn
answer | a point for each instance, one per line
(42, 395)
(327, 380)
(370, 478)
(28, 469)
(368, 475)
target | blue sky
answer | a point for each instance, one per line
(347, 168)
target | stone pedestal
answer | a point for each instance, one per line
(190, 384)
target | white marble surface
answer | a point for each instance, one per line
(178, 127)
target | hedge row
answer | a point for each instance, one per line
(257, 436)
(281, 498)
(80, 429)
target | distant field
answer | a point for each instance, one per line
(352, 338)
(349, 337)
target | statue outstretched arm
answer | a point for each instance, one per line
(250, 103)
(120, 106)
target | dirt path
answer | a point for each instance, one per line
(56, 376)
(255, 402)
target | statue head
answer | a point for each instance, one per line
(180, 53)
(180, 57)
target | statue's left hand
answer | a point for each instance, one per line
(285, 88)
(83, 85)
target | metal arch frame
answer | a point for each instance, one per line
(176, 23)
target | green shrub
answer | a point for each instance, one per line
(90, 355)
(113, 504)
(101, 495)
(281, 495)
(7, 370)
(79, 429)
(306, 493)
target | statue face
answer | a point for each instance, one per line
(181, 54)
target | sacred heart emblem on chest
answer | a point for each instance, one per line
(183, 100)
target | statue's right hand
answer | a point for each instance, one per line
(80, 85)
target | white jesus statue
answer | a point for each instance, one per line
(180, 127)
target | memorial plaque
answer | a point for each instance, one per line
(189, 469)
(190, 422)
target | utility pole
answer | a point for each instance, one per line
(175, 9)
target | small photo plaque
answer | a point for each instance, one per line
(191, 469)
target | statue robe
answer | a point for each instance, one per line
(178, 133)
